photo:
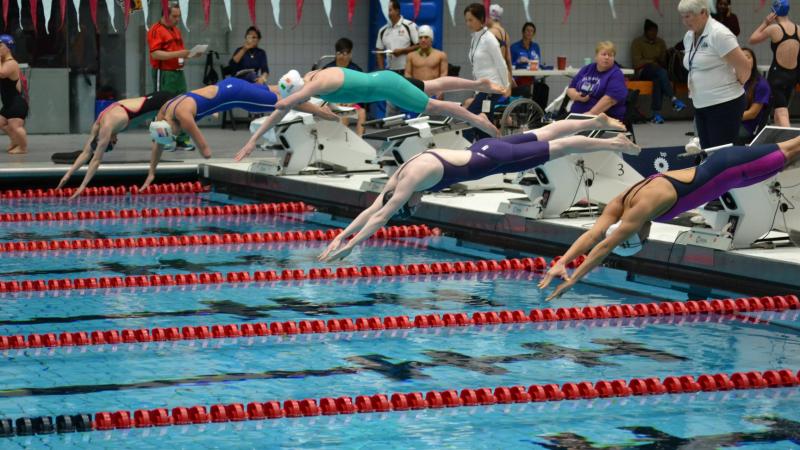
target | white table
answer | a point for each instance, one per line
(568, 72)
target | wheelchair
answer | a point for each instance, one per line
(518, 113)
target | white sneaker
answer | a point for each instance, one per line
(693, 147)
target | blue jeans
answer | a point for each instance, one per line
(661, 85)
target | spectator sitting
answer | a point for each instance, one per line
(649, 55)
(525, 50)
(344, 58)
(757, 93)
(726, 17)
(600, 86)
(427, 63)
(249, 55)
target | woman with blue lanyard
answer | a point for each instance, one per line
(717, 70)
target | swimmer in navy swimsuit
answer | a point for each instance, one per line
(434, 170)
(183, 112)
(662, 197)
(115, 119)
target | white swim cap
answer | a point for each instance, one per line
(425, 30)
(161, 132)
(495, 11)
(628, 247)
(290, 83)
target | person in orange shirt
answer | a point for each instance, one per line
(167, 56)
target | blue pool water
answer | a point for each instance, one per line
(58, 381)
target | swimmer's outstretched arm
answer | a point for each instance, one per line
(272, 120)
(306, 92)
(322, 112)
(631, 222)
(155, 156)
(103, 139)
(81, 159)
(368, 222)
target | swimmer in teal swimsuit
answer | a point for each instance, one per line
(340, 85)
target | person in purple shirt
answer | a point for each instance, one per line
(599, 87)
(757, 94)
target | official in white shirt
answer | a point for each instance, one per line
(487, 62)
(400, 36)
(718, 69)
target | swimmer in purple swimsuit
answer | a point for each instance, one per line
(434, 170)
(625, 223)
(183, 112)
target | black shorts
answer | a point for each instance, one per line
(15, 109)
(419, 84)
(781, 83)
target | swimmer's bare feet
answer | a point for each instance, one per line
(603, 122)
(17, 150)
(485, 85)
(620, 143)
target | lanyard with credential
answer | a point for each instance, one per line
(693, 51)
(474, 47)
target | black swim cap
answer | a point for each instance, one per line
(404, 212)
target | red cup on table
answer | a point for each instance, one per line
(561, 62)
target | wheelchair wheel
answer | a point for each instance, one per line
(520, 115)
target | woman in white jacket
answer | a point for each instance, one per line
(487, 62)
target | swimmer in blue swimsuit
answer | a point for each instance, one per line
(115, 119)
(341, 85)
(624, 226)
(434, 170)
(183, 112)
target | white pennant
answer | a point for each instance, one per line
(48, 9)
(145, 10)
(327, 5)
(526, 5)
(385, 9)
(110, 8)
(184, 4)
(451, 5)
(276, 12)
(228, 10)
(613, 10)
(19, 8)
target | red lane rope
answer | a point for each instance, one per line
(227, 210)
(404, 401)
(188, 333)
(165, 188)
(206, 239)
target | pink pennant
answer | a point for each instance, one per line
(417, 5)
(351, 9)
(5, 14)
(63, 6)
(165, 8)
(206, 11)
(568, 9)
(127, 10)
(35, 15)
(251, 6)
(761, 4)
(657, 5)
(298, 12)
(93, 12)
(486, 5)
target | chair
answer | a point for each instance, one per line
(632, 113)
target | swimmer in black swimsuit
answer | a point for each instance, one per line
(15, 107)
(782, 75)
(114, 119)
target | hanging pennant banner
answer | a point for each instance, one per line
(19, 10)
(327, 5)
(47, 6)
(184, 4)
(761, 4)
(228, 11)
(251, 7)
(657, 5)
(451, 5)
(526, 6)
(93, 12)
(164, 8)
(486, 5)
(417, 5)
(385, 9)
(568, 9)
(35, 15)
(110, 8)
(77, 5)
(206, 11)
(613, 10)
(127, 13)
(276, 12)
(298, 12)
(351, 9)
(5, 14)
(63, 9)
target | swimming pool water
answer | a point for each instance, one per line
(53, 381)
